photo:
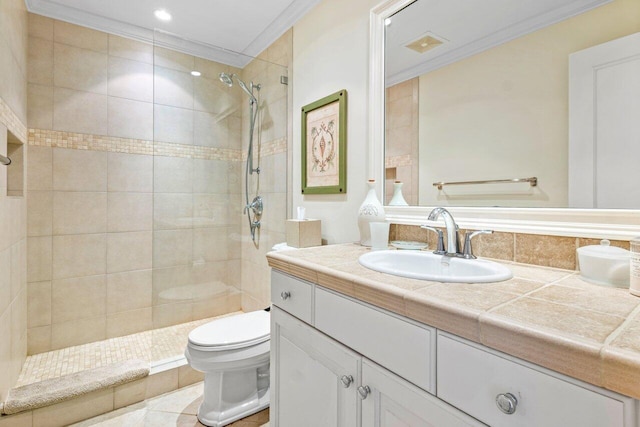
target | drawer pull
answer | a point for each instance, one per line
(346, 380)
(285, 295)
(507, 403)
(364, 391)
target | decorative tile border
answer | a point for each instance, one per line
(396, 161)
(9, 119)
(82, 141)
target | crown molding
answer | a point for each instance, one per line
(172, 41)
(495, 39)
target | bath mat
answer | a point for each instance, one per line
(56, 390)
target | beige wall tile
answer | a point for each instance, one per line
(40, 26)
(167, 284)
(39, 213)
(38, 339)
(13, 85)
(78, 111)
(40, 106)
(172, 174)
(129, 393)
(77, 212)
(210, 244)
(496, 245)
(79, 69)
(161, 382)
(76, 170)
(210, 176)
(172, 87)
(82, 37)
(40, 70)
(550, 251)
(210, 210)
(172, 248)
(209, 307)
(210, 70)
(74, 410)
(5, 280)
(39, 304)
(39, 255)
(79, 255)
(130, 211)
(129, 291)
(173, 124)
(78, 332)
(130, 49)
(210, 130)
(78, 298)
(5, 354)
(130, 172)
(131, 79)
(129, 251)
(172, 59)
(23, 419)
(130, 119)
(39, 168)
(172, 211)
(129, 322)
(188, 376)
(171, 314)
(212, 96)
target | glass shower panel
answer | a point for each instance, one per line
(200, 140)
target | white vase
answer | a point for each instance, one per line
(371, 210)
(398, 198)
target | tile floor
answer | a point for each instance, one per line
(151, 346)
(177, 408)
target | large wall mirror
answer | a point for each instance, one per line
(491, 90)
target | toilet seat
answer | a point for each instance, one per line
(233, 332)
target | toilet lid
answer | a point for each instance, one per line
(241, 330)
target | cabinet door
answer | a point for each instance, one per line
(313, 377)
(393, 402)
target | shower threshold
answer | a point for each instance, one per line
(162, 348)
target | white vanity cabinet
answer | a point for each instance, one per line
(336, 361)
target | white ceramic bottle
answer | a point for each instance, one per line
(634, 265)
(371, 210)
(398, 198)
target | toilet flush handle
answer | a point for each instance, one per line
(285, 295)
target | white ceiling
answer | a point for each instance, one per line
(468, 27)
(230, 31)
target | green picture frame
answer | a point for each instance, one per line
(324, 145)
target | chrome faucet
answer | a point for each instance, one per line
(453, 246)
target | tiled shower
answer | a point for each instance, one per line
(134, 184)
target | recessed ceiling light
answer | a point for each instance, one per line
(196, 73)
(162, 15)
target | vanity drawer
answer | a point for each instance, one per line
(471, 377)
(293, 295)
(405, 348)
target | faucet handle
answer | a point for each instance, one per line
(467, 252)
(440, 245)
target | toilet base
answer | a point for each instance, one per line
(224, 402)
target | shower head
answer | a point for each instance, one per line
(228, 80)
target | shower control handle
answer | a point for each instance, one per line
(346, 380)
(364, 391)
(285, 295)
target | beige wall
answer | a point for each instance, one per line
(134, 197)
(504, 114)
(13, 107)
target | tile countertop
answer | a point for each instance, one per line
(546, 316)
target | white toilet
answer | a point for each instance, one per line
(233, 353)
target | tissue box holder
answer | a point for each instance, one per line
(303, 233)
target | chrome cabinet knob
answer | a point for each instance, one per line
(285, 295)
(507, 403)
(364, 391)
(346, 380)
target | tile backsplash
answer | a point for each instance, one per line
(536, 249)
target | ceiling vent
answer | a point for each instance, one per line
(425, 43)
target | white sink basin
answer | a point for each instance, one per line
(439, 268)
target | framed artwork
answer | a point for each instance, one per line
(324, 145)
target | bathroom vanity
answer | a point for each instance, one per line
(352, 347)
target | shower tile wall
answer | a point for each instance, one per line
(13, 244)
(274, 176)
(134, 187)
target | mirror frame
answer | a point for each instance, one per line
(618, 224)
